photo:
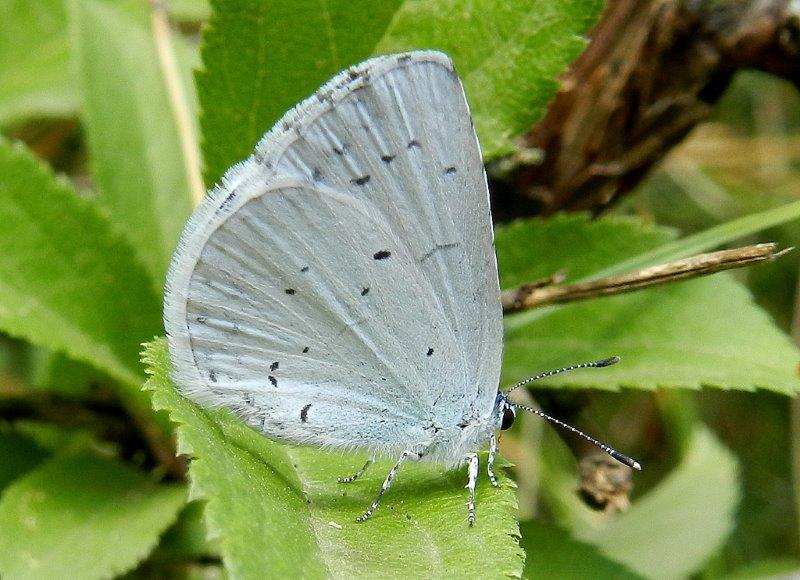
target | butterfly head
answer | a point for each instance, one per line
(505, 410)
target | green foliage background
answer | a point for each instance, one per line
(94, 191)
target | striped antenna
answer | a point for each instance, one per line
(610, 450)
(622, 458)
(606, 362)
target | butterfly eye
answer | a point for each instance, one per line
(508, 418)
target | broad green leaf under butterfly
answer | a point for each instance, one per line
(132, 132)
(279, 508)
(678, 525)
(261, 58)
(508, 54)
(705, 332)
(82, 517)
(62, 270)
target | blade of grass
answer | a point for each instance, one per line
(708, 239)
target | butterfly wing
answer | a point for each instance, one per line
(343, 278)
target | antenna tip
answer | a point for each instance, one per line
(624, 459)
(607, 362)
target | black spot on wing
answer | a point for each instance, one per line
(201, 319)
(365, 290)
(387, 158)
(304, 413)
(414, 144)
(430, 351)
(449, 170)
(381, 255)
(305, 350)
(290, 291)
(273, 380)
(274, 366)
(212, 375)
(304, 269)
(363, 180)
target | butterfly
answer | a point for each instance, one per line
(339, 288)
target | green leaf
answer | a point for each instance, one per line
(67, 282)
(262, 57)
(674, 529)
(19, 455)
(779, 568)
(279, 508)
(82, 517)
(57, 440)
(189, 10)
(525, 248)
(35, 77)
(187, 537)
(131, 129)
(704, 332)
(56, 372)
(508, 54)
(553, 553)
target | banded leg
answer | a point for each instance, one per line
(472, 460)
(356, 475)
(386, 485)
(490, 463)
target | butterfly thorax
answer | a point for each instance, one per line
(451, 444)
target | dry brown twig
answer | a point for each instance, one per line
(537, 294)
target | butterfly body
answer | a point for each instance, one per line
(450, 444)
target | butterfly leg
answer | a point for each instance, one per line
(386, 485)
(472, 461)
(356, 475)
(490, 462)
